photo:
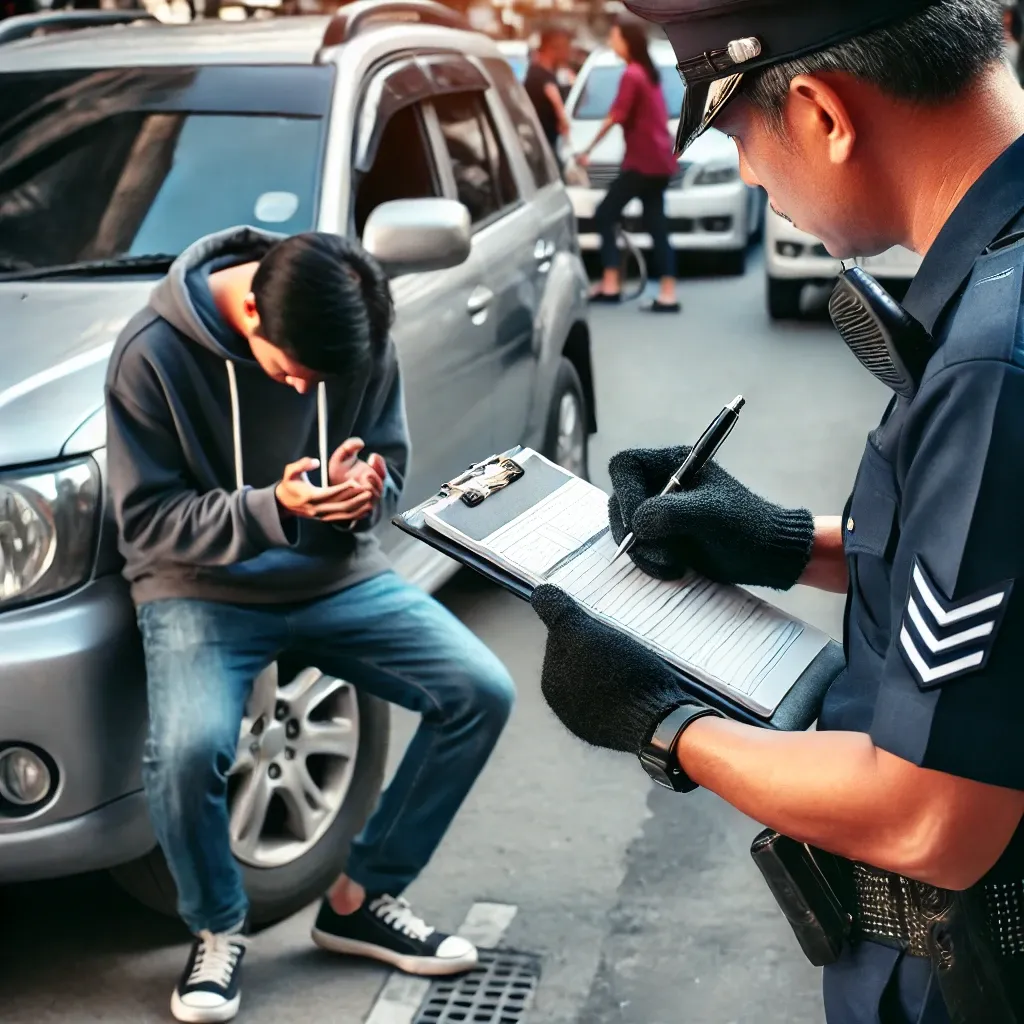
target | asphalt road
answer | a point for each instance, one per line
(644, 907)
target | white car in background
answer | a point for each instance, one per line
(793, 259)
(709, 208)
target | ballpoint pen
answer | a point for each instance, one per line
(700, 455)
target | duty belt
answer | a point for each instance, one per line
(898, 911)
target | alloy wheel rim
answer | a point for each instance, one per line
(571, 440)
(294, 765)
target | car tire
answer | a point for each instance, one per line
(277, 893)
(568, 414)
(784, 298)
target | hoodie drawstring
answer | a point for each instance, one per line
(236, 426)
(321, 430)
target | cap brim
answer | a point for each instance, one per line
(702, 103)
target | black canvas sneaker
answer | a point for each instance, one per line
(385, 928)
(210, 988)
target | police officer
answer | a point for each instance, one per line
(869, 124)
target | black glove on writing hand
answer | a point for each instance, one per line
(717, 527)
(605, 687)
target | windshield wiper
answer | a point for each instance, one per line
(150, 263)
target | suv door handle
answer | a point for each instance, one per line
(479, 299)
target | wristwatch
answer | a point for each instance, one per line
(658, 755)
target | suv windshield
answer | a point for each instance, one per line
(104, 165)
(601, 83)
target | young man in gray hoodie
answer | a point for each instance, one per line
(258, 364)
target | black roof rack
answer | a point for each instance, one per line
(21, 26)
(355, 17)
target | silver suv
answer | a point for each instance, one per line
(119, 147)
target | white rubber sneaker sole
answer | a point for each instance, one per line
(427, 966)
(204, 1014)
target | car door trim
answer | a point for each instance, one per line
(426, 74)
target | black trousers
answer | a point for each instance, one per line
(874, 984)
(650, 190)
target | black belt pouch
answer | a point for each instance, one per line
(805, 894)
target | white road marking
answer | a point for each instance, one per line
(486, 923)
(399, 1000)
(402, 994)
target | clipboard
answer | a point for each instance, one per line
(798, 709)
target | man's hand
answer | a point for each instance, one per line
(341, 503)
(605, 687)
(346, 466)
(583, 159)
(717, 527)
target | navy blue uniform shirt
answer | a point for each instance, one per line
(934, 530)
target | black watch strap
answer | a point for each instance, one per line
(658, 754)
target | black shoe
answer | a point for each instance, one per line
(385, 928)
(604, 298)
(657, 306)
(210, 988)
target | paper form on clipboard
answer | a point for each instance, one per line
(555, 530)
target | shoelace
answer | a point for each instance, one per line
(397, 914)
(216, 958)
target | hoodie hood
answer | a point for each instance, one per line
(182, 296)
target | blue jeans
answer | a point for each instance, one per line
(383, 636)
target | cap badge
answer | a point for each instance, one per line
(741, 50)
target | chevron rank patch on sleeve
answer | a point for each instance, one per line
(942, 639)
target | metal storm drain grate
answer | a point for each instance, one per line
(499, 991)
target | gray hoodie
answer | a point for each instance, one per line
(198, 437)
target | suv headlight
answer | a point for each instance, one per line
(48, 520)
(721, 175)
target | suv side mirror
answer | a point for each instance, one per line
(409, 236)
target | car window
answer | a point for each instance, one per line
(520, 109)
(76, 184)
(403, 167)
(483, 176)
(601, 83)
(519, 66)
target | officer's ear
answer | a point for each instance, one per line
(819, 118)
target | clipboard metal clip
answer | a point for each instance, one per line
(483, 479)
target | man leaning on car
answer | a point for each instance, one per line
(254, 355)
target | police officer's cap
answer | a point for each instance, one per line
(717, 41)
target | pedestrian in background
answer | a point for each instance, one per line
(647, 168)
(541, 84)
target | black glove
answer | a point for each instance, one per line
(605, 687)
(717, 527)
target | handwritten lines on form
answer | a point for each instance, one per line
(717, 632)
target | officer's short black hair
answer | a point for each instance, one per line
(929, 57)
(325, 301)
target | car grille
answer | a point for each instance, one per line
(602, 175)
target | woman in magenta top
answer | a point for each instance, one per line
(647, 166)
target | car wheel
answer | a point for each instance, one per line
(784, 298)
(309, 770)
(567, 437)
